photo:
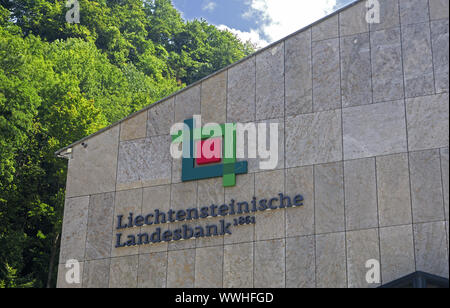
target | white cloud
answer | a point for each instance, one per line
(252, 36)
(209, 6)
(283, 17)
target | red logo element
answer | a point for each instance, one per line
(209, 151)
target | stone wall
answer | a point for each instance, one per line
(364, 119)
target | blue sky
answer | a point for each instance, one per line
(261, 21)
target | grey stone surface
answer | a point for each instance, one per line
(134, 128)
(269, 264)
(214, 99)
(214, 240)
(326, 75)
(356, 82)
(187, 104)
(161, 118)
(376, 129)
(92, 169)
(426, 186)
(427, 122)
(270, 83)
(238, 266)
(183, 244)
(353, 20)
(360, 194)
(362, 246)
(313, 139)
(397, 252)
(144, 162)
(331, 261)
(438, 9)
(394, 201)
(326, 29)
(300, 262)
(180, 270)
(389, 16)
(300, 220)
(123, 272)
(413, 11)
(127, 201)
(387, 69)
(269, 224)
(445, 183)
(241, 92)
(440, 38)
(299, 74)
(96, 273)
(100, 226)
(431, 248)
(209, 267)
(417, 60)
(73, 237)
(152, 270)
(329, 198)
(62, 283)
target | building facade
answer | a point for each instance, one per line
(363, 125)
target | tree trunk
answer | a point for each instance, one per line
(52, 260)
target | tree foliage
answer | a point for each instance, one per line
(60, 82)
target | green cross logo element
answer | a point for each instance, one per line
(205, 168)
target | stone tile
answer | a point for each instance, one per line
(270, 83)
(427, 122)
(397, 252)
(377, 129)
(270, 264)
(426, 186)
(210, 191)
(243, 191)
(214, 240)
(154, 198)
(299, 74)
(394, 201)
(134, 128)
(271, 223)
(184, 195)
(96, 274)
(187, 104)
(209, 267)
(445, 184)
(387, 69)
(431, 248)
(242, 92)
(152, 270)
(331, 269)
(329, 198)
(313, 139)
(214, 99)
(161, 118)
(389, 16)
(300, 262)
(73, 237)
(413, 11)
(439, 38)
(123, 272)
(238, 266)
(326, 29)
(176, 170)
(92, 169)
(300, 220)
(417, 60)
(100, 226)
(61, 279)
(438, 9)
(326, 75)
(180, 271)
(353, 20)
(144, 162)
(360, 194)
(183, 244)
(356, 83)
(362, 246)
(128, 201)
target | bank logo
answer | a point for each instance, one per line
(208, 152)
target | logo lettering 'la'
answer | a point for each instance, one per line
(215, 153)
